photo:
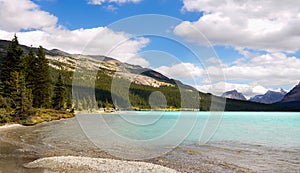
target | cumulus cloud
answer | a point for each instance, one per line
(16, 15)
(110, 8)
(95, 41)
(248, 90)
(182, 71)
(126, 49)
(271, 69)
(264, 25)
(100, 2)
(24, 14)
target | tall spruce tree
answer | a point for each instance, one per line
(18, 95)
(59, 94)
(38, 77)
(42, 90)
(30, 66)
(11, 63)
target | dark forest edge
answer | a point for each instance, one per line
(27, 94)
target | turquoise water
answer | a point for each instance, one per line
(233, 141)
(174, 128)
(270, 129)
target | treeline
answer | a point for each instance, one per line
(26, 84)
(120, 93)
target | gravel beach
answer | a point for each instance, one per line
(71, 164)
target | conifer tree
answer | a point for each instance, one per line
(18, 92)
(11, 63)
(30, 65)
(42, 88)
(59, 94)
(13, 84)
(69, 103)
(38, 77)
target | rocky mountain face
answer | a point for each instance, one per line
(269, 97)
(72, 62)
(234, 94)
(112, 67)
(293, 95)
(292, 98)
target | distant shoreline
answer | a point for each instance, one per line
(16, 124)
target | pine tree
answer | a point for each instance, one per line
(18, 93)
(76, 102)
(29, 99)
(30, 66)
(59, 94)
(42, 86)
(13, 84)
(69, 102)
(38, 77)
(1, 89)
(11, 63)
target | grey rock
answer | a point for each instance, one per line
(234, 94)
(269, 97)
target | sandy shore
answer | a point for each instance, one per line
(71, 164)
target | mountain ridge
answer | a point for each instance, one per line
(234, 94)
(292, 98)
(269, 97)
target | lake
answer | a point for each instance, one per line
(186, 141)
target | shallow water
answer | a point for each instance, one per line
(242, 142)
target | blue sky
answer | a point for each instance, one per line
(257, 48)
(76, 14)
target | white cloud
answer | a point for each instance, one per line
(248, 90)
(265, 25)
(16, 15)
(99, 2)
(23, 14)
(272, 69)
(95, 41)
(213, 60)
(110, 8)
(181, 71)
(126, 49)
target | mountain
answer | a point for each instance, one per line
(234, 94)
(292, 98)
(91, 76)
(269, 97)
